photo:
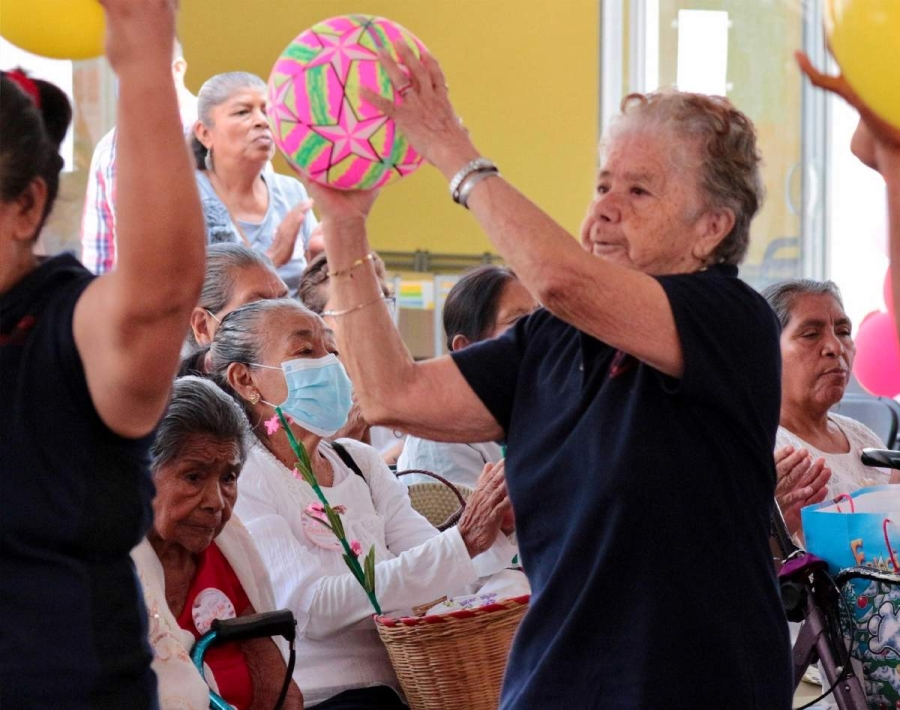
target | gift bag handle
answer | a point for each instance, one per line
(887, 542)
(849, 499)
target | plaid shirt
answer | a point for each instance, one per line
(98, 221)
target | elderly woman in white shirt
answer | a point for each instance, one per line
(279, 353)
(817, 452)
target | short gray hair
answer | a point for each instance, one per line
(223, 261)
(241, 337)
(729, 172)
(216, 91)
(197, 407)
(782, 296)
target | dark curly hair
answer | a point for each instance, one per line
(729, 158)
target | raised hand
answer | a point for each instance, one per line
(336, 206)
(873, 133)
(140, 33)
(423, 111)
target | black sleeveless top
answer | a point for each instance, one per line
(74, 499)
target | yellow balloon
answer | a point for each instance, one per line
(865, 39)
(60, 29)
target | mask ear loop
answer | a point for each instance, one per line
(214, 316)
(267, 423)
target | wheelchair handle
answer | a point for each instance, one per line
(272, 623)
(883, 458)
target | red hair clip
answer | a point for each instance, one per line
(26, 84)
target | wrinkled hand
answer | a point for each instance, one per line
(801, 482)
(487, 510)
(874, 136)
(336, 206)
(282, 249)
(140, 34)
(422, 111)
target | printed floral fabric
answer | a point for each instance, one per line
(874, 635)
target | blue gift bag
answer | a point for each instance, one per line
(857, 530)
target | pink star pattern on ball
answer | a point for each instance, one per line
(351, 135)
(318, 118)
(340, 51)
(278, 107)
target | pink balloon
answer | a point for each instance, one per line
(888, 291)
(877, 363)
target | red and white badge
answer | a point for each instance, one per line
(211, 604)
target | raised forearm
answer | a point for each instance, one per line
(622, 307)
(371, 348)
(891, 173)
(160, 233)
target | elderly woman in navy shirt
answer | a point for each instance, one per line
(639, 406)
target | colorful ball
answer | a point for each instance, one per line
(319, 120)
(60, 29)
(864, 36)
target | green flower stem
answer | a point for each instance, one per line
(304, 465)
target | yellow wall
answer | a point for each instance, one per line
(522, 73)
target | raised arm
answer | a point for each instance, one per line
(877, 144)
(130, 323)
(620, 306)
(430, 399)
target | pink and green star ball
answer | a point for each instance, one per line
(319, 120)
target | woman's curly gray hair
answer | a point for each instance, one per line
(729, 161)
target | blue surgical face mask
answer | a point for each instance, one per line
(319, 393)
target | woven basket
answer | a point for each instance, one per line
(440, 502)
(454, 661)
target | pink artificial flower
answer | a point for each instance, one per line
(272, 425)
(316, 508)
(355, 548)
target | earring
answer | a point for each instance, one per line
(208, 161)
(254, 398)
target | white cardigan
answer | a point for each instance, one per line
(337, 644)
(180, 685)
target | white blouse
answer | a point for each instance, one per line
(338, 647)
(848, 473)
(458, 463)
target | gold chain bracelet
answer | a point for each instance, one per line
(345, 311)
(359, 262)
